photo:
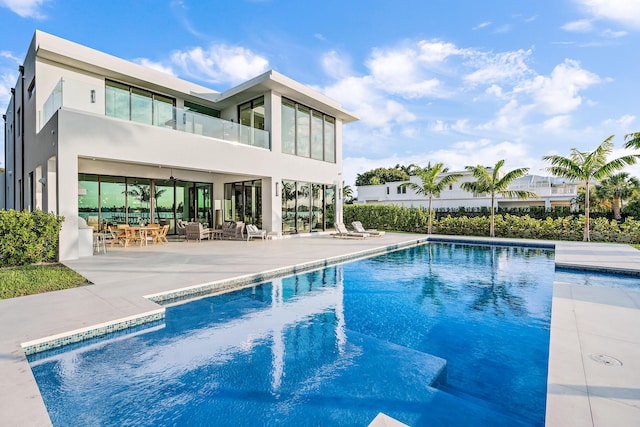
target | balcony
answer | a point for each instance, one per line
(83, 97)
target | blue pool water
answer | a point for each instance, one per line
(439, 334)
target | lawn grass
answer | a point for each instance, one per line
(35, 279)
(637, 246)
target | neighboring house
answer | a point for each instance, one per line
(92, 136)
(551, 191)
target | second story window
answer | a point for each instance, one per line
(307, 133)
(138, 105)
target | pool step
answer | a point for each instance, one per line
(399, 382)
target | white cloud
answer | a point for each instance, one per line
(502, 29)
(7, 81)
(614, 34)
(435, 51)
(482, 25)
(491, 68)
(158, 66)
(397, 71)
(625, 12)
(361, 95)
(623, 122)
(494, 90)
(581, 26)
(219, 63)
(335, 65)
(559, 93)
(557, 123)
(25, 8)
(10, 56)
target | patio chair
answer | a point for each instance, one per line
(233, 230)
(342, 232)
(161, 236)
(181, 229)
(357, 226)
(132, 235)
(117, 236)
(197, 232)
(253, 231)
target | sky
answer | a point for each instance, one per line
(463, 82)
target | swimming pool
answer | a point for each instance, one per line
(438, 334)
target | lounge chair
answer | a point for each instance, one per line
(357, 226)
(197, 232)
(342, 232)
(253, 231)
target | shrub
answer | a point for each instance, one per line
(393, 217)
(28, 237)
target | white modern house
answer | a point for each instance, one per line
(92, 136)
(551, 192)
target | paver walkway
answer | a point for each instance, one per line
(582, 395)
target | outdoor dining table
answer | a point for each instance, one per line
(143, 232)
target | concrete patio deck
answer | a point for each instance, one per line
(586, 321)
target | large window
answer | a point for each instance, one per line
(139, 105)
(243, 202)
(303, 131)
(111, 200)
(307, 207)
(307, 133)
(288, 126)
(252, 115)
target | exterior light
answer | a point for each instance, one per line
(93, 96)
(277, 189)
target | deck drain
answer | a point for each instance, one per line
(606, 360)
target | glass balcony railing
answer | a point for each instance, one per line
(82, 96)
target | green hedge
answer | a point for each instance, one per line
(28, 237)
(392, 217)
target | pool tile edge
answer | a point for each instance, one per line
(93, 331)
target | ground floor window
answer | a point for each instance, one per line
(307, 207)
(243, 202)
(110, 200)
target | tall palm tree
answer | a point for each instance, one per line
(589, 166)
(491, 183)
(432, 184)
(617, 188)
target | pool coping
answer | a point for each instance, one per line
(553, 409)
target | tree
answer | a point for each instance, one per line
(409, 170)
(617, 188)
(589, 166)
(632, 140)
(491, 183)
(347, 194)
(431, 183)
(381, 176)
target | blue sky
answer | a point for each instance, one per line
(463, 82)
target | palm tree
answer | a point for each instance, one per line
(409, 170)
(347, 194)
(617, 188)
(589, 166)
(491, 183)
(632, 140)
(431, 184)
